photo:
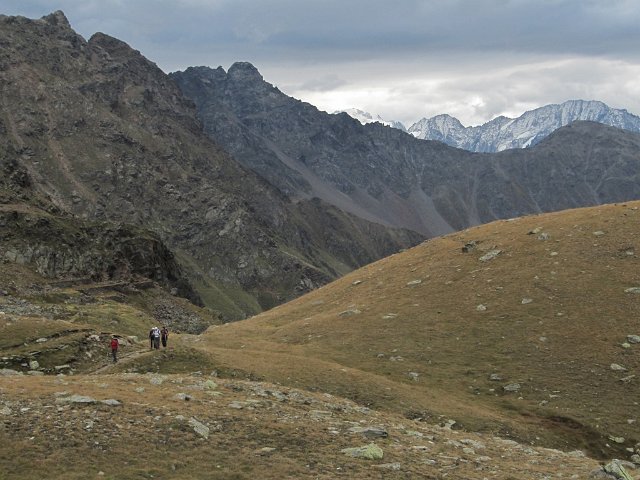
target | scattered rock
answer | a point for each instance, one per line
(199, 427)
(6, 372)
(632, 290)
(348, 313)
(490, 255)
(414, 282)
(59, 368)
(183, 396)
(42, 340)
(469, 246)
(617, 368)
(265, 450)
(525, 301)
(5, 411)
(618, 440)
(599, 233)
(156, 380)
(535, 231)
(543, 236)
(389, 466)
(368, 452)
(481, 308)
(76, 399)
(414, 376)
(370, 432)
(512, 387)
(616, 469)
(633, 338)
(357, 282)
(112, 402)
(627, 379)
(34, 365)
(495, 377)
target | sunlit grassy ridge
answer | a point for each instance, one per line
(422, 332)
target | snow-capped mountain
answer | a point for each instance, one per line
(366, 117)
(503, 133)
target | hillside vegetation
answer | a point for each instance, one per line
(524, 328)
(497, 352)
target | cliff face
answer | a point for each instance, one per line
(386, 175)
(99, 131)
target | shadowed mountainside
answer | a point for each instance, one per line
(95, 129)
(386, 175)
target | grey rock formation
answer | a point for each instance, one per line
(385, 175)
(93, 130)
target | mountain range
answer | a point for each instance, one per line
(92, 129)
(258, 197)
(503, 133)
(388, 176)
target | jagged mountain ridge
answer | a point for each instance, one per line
(99, 131)
(366, 117)
(383, 174)
(530, 128)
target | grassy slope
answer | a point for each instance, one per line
(559, 347)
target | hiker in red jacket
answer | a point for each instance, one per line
(114, 348)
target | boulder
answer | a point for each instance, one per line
(368, 452)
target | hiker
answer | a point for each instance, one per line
(151, 338)
(114, 348)
(164, 336)
(156, 337)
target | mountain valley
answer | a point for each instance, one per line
(343, 300)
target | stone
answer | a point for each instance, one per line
(370, 432)
(199, 427)
(617, 368)
(616, 469)
(357, 282)
(635, 458)
(633, 338)
(481, 308)
(627, 379)
(632, 290)
(368, 452)
(618, 440)
(348, 313)
(59, 368)
(156, 380)
(183, 396)
(512, 387)
(42, 340)
(82, 399)
(543, 236)
(490, 255)
(5, 411)
(265, 450)
(525, 301)
(535, 231)
(34, 365)
(390, 466)
(599, 233)
(414, 282)
(414, 376)
(7, 372)
(495, 377)
(210, 385)
(112, 402)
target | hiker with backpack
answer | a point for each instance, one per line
(164, 336)
(114, 348)
(154, 338)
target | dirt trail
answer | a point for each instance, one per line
(122, 358)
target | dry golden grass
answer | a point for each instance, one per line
(559, 347)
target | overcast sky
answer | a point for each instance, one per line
(403, 60)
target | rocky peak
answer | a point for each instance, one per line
(57, 18)
(244, 71)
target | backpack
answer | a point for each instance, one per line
(114, 344)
